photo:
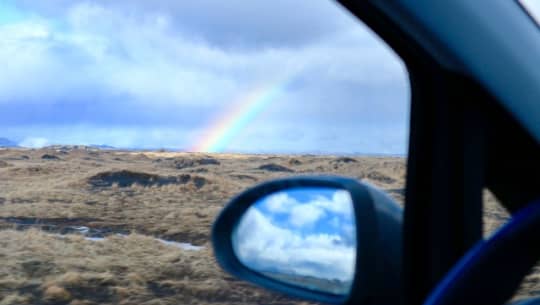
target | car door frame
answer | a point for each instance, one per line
(454, 128)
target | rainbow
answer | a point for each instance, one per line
(222, 130)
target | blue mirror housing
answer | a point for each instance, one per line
(377, 261)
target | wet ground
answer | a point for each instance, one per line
(78, 226)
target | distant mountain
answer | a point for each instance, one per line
(102, 146)
(7, 143)
(68, 147)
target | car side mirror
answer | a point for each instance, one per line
(326, 239)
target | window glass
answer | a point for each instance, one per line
(532, 7)
(495, 217)
(127, 125)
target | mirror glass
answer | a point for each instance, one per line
(302, 236)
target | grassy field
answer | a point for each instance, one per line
(144, 196)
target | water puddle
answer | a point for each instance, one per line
(65, 227)
(184, 246)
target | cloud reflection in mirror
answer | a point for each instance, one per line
(303, 236)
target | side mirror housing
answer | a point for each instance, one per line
(326, 239)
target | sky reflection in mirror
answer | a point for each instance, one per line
(303, 236)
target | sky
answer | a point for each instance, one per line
(533, 8)
(236, 76)
(303, 231)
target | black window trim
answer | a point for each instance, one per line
(447, 170)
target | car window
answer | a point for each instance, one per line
(127, 125)
(495, 217)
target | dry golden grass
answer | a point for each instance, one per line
(176, 196)
(137, 269)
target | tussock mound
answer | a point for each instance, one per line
(3, 164)
(208, 161)
(17, 158)
(244, 177)
(295, 162)
(345, 160)
(180, 163)
(49, 157)
(272, 167)
(126, 178)
(380, 177)
(31, 170)
(199, 182)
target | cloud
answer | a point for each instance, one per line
(266, 247)
(34, 142)
(223, 23)
(292, 233)
(305, 215)
(340, 203)
(279, 203)
(178, 65)
(145, 137)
